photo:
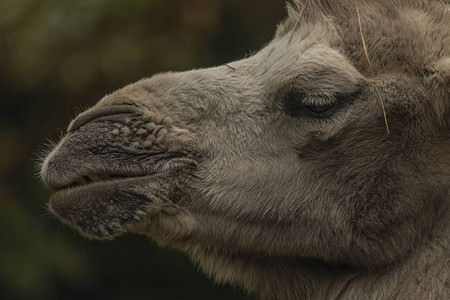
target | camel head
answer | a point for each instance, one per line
(284, 154)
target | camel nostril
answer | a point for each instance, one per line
(100, 112)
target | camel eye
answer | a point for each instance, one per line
(298, 105)
(320, 108)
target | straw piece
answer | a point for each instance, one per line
(234, 69)
(295, 25)
(371, 70)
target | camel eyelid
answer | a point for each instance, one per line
(296, 106)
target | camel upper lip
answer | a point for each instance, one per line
(110, 150)
(101, 112)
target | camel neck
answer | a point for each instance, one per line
(420, 275)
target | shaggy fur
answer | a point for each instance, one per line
(277, 175)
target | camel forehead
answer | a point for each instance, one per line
(316, 70)
(401, 35)
(340, 11)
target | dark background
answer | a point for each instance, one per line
(58, 57)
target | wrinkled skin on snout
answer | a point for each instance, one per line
(292, 162)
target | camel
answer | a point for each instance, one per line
(318, 168)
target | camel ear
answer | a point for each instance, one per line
(437, 80)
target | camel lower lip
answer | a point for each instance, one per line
(103, 189)
(94, 208)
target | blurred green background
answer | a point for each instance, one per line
(58, 57)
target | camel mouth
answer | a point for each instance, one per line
(114, 167)
(94, 177)
(96, 181)
(103, 205)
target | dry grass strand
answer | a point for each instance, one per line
(245, 79)
(234, 69)
(371, 70)
(296, 24)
